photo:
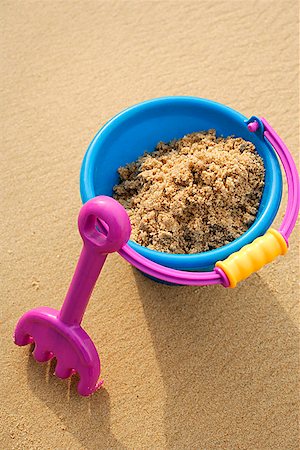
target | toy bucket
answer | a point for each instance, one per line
(138, 129)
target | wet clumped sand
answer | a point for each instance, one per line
(194, 194)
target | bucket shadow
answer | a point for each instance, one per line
(86, 418)
(229, 362)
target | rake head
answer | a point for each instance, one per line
(70, 344)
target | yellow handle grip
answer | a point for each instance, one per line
(253, 257)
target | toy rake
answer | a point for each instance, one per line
(104, 227)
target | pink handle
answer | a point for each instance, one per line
(217, 276)
(292, 177)
(174, 276)
(99, 239)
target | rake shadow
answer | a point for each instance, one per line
(87, 418)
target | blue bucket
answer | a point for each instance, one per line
(139, 128)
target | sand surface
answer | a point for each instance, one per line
(184, 367)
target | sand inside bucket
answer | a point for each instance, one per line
(194, 194)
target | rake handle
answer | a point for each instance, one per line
(104, 227)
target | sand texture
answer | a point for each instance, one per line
(184, 367)
(193, 194)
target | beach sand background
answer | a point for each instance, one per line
(184, 367)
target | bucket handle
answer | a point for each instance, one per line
(252, 257)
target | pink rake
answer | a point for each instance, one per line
(58, 333)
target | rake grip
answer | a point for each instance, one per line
(107, 213)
